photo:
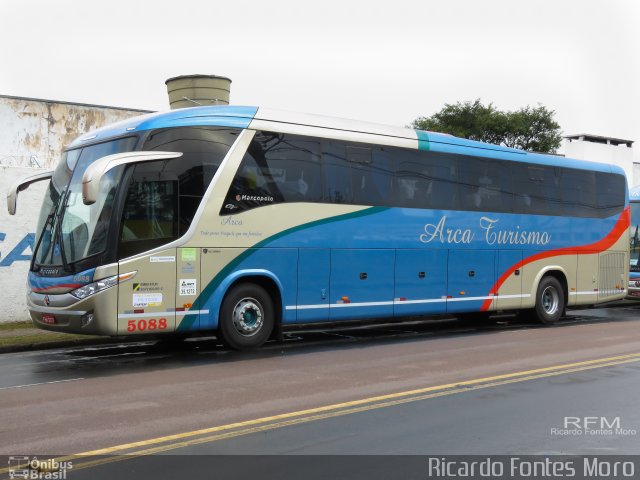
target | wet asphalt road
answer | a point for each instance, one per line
(19, 370)
(519, 419)
(73, 400)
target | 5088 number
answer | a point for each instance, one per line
(143, 325)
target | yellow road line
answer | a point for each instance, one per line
(328, 411)
(331, 414)
(380, 398)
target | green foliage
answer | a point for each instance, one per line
(529, 128)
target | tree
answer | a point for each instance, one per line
(529, 128)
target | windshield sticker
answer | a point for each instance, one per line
(188, 286)
(167, 258)
(147, 300)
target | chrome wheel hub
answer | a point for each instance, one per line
(550, 300)
(248, 317)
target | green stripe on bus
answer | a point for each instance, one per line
(188, 320)
(423, 140)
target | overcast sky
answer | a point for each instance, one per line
(384, 61)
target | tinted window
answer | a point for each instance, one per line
(162, 197)
(276, 168)
(203, 149)
(151, 206)
(536, 189)
(425, 179)
(610, 192)
(483, 185)
(290, 168)
(578, 192)
(371, 171)
(337, 173)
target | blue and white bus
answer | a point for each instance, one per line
(634, 244)
(242, 220)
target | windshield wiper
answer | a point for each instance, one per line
(65, 265)
(48, 221)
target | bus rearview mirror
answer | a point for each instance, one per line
(99, 168)
(23, 184)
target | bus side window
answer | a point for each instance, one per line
(337, 175)
(610, 193)
(526, 188)
(413, 181)
(425, 180)
(578, 192)
(483, 186)
(294, 164)
(371, 175)
(277, 168)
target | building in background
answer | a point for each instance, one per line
(33, 132)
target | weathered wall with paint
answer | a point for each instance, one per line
(32, 134)
(16, 243)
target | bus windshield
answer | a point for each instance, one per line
(68, 230)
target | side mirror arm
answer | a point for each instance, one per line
(23, 184)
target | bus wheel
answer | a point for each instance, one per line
(550, 302)
(246, 317)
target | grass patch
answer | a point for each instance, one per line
(16, 326)
(38, 339)
(16, 334)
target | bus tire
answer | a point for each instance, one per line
(246, 317)
(550, 301)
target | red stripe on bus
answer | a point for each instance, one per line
(62, 285)
(600, 246)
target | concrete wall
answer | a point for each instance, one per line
(16, 243)
(33, 133)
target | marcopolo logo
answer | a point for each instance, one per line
(38, 469)
(593, 426)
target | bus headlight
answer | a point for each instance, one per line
(95, 287)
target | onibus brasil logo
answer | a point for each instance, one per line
(24, 467)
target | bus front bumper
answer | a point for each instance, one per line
(633, 292)
(94, 315)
